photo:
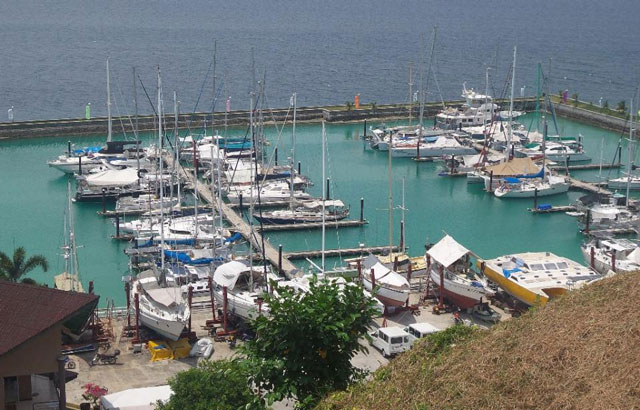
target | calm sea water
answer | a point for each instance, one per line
(54, 52)
(33, 202)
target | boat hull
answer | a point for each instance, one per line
(459, 294)
(519, 292)
(388, 296)
(165, 328)
(517, 193)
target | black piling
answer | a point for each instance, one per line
(299, 173)
(104, 200)
(364, 132)
(69, 148)
(491, 181)
(79, 165)
(361, 209)
(535, 199)
(280, 259)
(117, 225)
(328, 189)
(240, 197)
(276, 156)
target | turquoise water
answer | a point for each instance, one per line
(33, 202)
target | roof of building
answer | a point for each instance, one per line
(28, 310)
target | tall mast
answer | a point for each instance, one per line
(486, 99)
(513, 85)
(108, 104)
(630, 150)
(421, 83)
(253, 180)
(410, 91)
(324, 193)
(136, 130)
(159, 180)
(538, 93)
(293, 146)
(176, 147)
(213, 109)
(404, 225)
(390, 199)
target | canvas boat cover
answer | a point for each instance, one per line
(447, 251)
(634, 256)
(167, 296)
(136, 399)
(382, 274)
(517, 166)
(228, 273)
(327, 203)
(114, 177)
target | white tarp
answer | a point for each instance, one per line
(634, 256)
(327, 203)
(143, 398)
(169, 296)
(447, 251)
(114, 177)
(382, 274)
(227, 274)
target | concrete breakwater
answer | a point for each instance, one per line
(74, 127)
(592, 118)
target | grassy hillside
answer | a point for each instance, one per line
(580, 351)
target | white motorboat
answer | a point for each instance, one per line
(599, 253)
(557, 151)
(430, 147)
(452, 269)
(162, 307)
(607, 216)
(392, 288)
(621, 183)
(269, 192)
(477, 110)
(143, 203)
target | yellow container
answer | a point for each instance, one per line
(180, 348)
(160, 350)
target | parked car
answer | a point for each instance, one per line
(419, 330)
(390, 340)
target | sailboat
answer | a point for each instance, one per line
(453, 271)
(162, 306)
(391, 288)
(629, 182)
(245, 286)
(69, 279)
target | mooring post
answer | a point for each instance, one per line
(240, 198)
(566, 165)
(588, 220)
(401, 237)
(418, 149)
(104, 200)
(328, 189)
(364, 135)
(190, 299)
(117, 225)
(137, 306)
(69, 148)
(299, 168)
(225, 303)
(491, 181)
(453, 163)
(619, 155)
(79, 165)
(127, 291)
(213, 300)
(280, 259)
(276, 156)
(359, 264)
(90, 287)
(361, 209)
(593, 258)
(535, 198)
(395, 263)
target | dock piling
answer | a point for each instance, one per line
(299, 168)
(361, 209)
(69, 148)
(190, 300)
(104, 200)
(79, 165)
(213, 300)
(275, 154)
(364, 135)
(593, 258)
(587, 222)
(491, 181)
(279, 259)
(535, 198)
(328, 196)
(117, 225)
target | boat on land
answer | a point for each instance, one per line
(536, 277)
(162, 307)
(451, 268)
(392, 288)
(70, 278)
(245, 286)
(612, 254)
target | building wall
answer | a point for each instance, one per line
(37, 355)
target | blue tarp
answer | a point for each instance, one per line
(508, 272)
(544, 207)
(430, 139)
(538, 175)
(184, 258)
(152, 242)
(236, 236)
(511, 180)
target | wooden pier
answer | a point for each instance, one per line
(312, 225)
(583, 167)
(239, 224)
(340, 252)
(113, 214)
(613, 231)
(587, 186)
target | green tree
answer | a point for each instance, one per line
(218, 385)
(303, 349)
(349, 105)
(13, 269)
(622, 106)
(574, 97)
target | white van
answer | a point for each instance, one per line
(390, 340)
(419, 330)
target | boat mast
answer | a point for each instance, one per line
(253, 180)
(410, 91)
(421, 84)
(513, 85)
(159, 180)
(108, 105)
(630, 150)
(293, 147)
(404, 225)
(324, 193)
(176, 144)
(486, 100)
(213, 109)
(136, 130)
(390, 198)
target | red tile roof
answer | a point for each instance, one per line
(27, 310)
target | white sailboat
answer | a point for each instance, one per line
(392, 288)
(70, 278)
(609, 254)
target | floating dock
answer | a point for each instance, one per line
(312, 225)
(594, 187)
(340, 252)
(583, 167)
(186, 209)
(239, 224)
(553, 209)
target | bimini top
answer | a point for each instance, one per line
(447, 251)
(227, 274)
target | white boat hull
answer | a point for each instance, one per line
(386, 295)
(426, 151)
(166, 328)
(530, 193)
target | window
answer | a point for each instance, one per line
(562, 265)
(396, 340)
(550, 266)
(537, 266)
